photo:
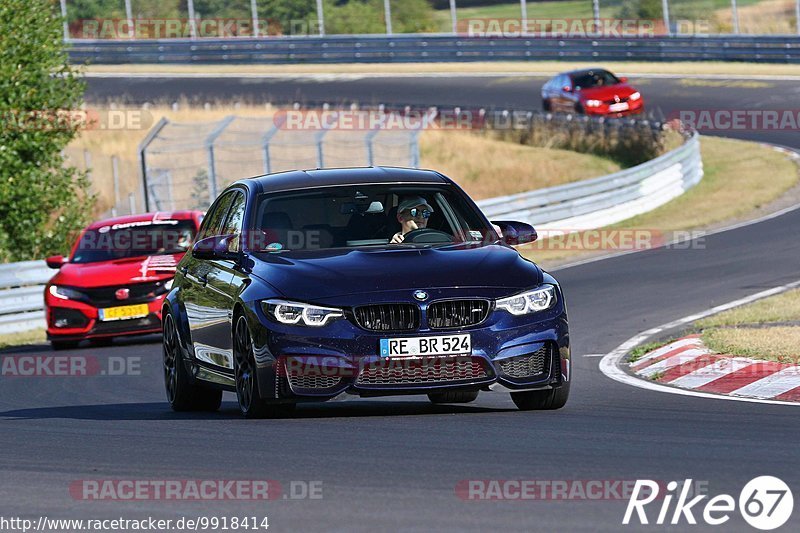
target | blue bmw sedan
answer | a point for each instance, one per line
(307, 285)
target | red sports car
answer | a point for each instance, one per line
(591, 92)
(116, 277)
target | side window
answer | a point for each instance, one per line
(233, 224)
(212, 223)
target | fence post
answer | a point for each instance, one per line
(265, 140)
(254, 16)
(797, 16)
(212, 167)
(665, 13)
(320, 19)
(192, 20)
(132, 203)
(143, 159)
(129, 16)
(387, 14)
(735, 14)
(64, 20)
(115, 176)
(87, 161)
(453, 16)
(523, 8)
(368, 138)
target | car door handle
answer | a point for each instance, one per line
(203, 280)
(184, 270)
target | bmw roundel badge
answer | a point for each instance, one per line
(421, 295)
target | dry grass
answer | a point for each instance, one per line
(34, 336)
(740, 176)
(518, 67)
(780, 344)
(487, 168)
(484, 167)
(769, 16)
(781, 308)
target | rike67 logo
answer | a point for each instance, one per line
(765, 503)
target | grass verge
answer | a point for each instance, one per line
(34, 336)
(740, 177)
(700, 68)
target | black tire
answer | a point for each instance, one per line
(547, 105)
(539, 400)
(182, 394)
(579, 109)
(64, 345)
(250, 402)
(453, 396)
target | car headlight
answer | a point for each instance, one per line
(529, 301)
(593, 103)
(299, 313)
(635, 96)
(65, 293)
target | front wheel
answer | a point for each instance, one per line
(250, 402)
(181, 393)
(547, 105)
(542, 399)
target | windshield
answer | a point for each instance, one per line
(134, 239)
(352, 216)
(595, 78)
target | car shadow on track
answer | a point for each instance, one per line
(228, 411)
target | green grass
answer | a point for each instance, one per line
(34, 336)
(781, 344)
(643, 349)
(781, 308)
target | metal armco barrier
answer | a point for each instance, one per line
(22, 295)
(437, 48)
(605, 200)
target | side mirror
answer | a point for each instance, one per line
(516, 232)
(623, 79)
(55, 261)
(225, 247)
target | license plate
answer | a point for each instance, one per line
(124, 312)
(622, 106)
(438, 345)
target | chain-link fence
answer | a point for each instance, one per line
(185, 165)
(116, 181)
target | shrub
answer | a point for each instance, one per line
(42, 201)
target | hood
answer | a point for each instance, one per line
(317, 275)
(623, 90)
(118, 272)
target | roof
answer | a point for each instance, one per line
(298, 179)
(584, 71)
(160, 215)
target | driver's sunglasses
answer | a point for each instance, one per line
(424, 213)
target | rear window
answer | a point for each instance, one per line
(134, 239)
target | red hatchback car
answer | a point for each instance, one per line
(591, 92)
(116, 277)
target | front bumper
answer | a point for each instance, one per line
(635, 108)
(70, 320)
(508, 352)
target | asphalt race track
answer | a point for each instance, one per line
(395, 464)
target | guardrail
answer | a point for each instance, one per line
(582, 205)
(437, 48)
(605, 200)
(21, 295)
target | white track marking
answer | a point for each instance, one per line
(772, 385)
(712, 372)
(611, 364)
(686, 356)
(682, 343)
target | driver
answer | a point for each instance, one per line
(412, 213)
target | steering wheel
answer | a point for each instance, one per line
(427, 236)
